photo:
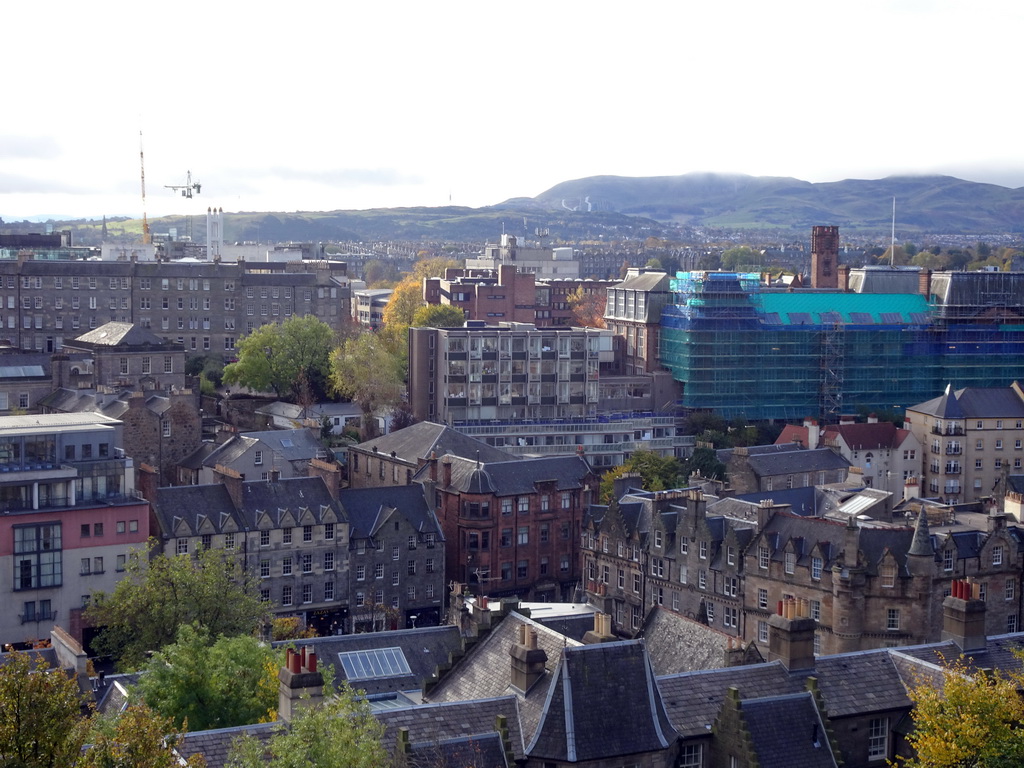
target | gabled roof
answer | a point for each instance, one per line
(290, 444)
(116, 334)
(519, 476)
(603, 703)
(417, 443)
(867, 437)
(486, 670)
(793, 462)
(229, 451)
(366, 508)
(202, 508)
(787, 732)
(293, 494)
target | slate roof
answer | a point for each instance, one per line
(480, 751)
(787, 732)
(676, 643)
(486, 670)
(367, 507)
(519, 476)
(289, 444)
(945, 406)
(424, 649)
(853, 683)
(795, 461)
(602, 703)
(434, 723)
(646, 281)
(866, 437)
(292, 494)
(194, 505)
(417, 442)
(229, 451)
(216, 745)
(117, 334)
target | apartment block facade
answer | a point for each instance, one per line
(206, 307)
(70, 518)
(973, 439)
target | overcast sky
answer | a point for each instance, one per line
(367, 103)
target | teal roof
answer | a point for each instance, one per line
(800, 308)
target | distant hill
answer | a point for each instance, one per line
(935, 204)
(606, 208)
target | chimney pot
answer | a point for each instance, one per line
(311, 661)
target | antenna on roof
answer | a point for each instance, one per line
(892, 253)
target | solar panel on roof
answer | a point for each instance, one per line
(831, 317)
(862, 318)
(800, 318)
(892, 317)
(919, 317)
(772, 318)
(382, 662)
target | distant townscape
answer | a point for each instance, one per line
(634, 499)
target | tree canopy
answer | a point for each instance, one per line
(367, 372)
(971, 720)
(587, 307)
(341, 731)
(657, 473)
(139, 738)
(229, 681)
(438, 316)
(210, 590)
(41, 723)
(291, 359)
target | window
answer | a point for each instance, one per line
(523, 536)
(264, 538)
(816, 568)
(378, 571)
(892, 619)
(947, 560)
(286, 567)
(657, 539)
(762, 598)
(762, 631)
(730, 616)
(702, 579)
(396, 553)
(730, 555)
(684, 571)
(524, 504)
(506, 506)
(878, 738)
(307, 593)
(567, 497)
(206, 541)
(622, 579)
(329, 531)
(888, 575)
(307, 533)
(762, 558)
(997, 555)
(790, 562)
(563, 564)
(816, 610)
(181, 546)
(1011, 622)
(703, 550)
(264, 569)
(258, 458)
(710, 608)
(523, 569)
(120, 563)
(1010, 590)
(307, 563)
(684, 547)
(286, 594)
(286, 535)
(229, 541)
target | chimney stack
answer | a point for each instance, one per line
(527, 659)
(602, 631)
(791, 635)
(446, 468)
(232, 480)
(911, 489)
(300, 683)
(963, 617)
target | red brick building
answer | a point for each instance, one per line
(512, 527)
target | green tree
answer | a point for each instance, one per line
(285, 358)
(339, 732)
(138, 738)
(704, 461)
(229, 681)
(740, 258)
(657, 473)
(210, 590)
(972, 720)
(438, 316)
(368, 373)
(41, 723)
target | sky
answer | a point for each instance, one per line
(351, 105)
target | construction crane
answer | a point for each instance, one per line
(146, 237)
(187, 188)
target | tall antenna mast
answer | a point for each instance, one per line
(146, 237)
(892, 253)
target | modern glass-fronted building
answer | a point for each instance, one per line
(744, 350)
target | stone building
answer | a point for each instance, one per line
(292, 536)
(511, 527)
(204, 307)
(396, 552)
(972, 439)
(779, 467)
(633, 312)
